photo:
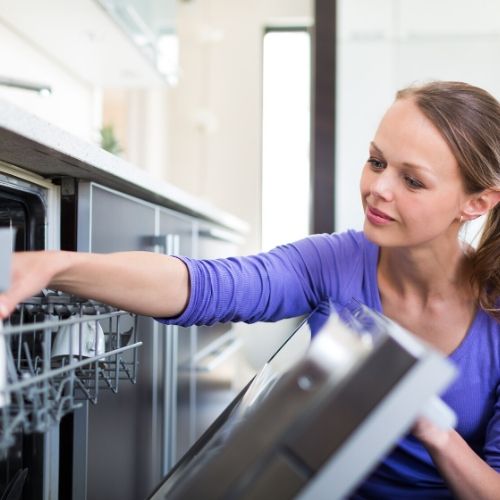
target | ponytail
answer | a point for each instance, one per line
(485, 265)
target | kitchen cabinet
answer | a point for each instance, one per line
(135, 440)
(176, 236)
(217, 348)
(123, 456)
(108, 43)
(150, 25)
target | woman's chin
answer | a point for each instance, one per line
(378, 235)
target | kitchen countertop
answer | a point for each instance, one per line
(31, 143)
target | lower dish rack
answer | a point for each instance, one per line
(56, 351)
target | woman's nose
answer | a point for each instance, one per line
(382, 186)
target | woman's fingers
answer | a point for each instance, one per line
(29, 274)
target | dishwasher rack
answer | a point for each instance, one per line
(60, 350)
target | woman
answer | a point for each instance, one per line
(433, 165)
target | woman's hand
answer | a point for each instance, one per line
(30, 272)
(431, 435)
(468, 476)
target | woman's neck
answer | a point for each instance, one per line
(425, 273)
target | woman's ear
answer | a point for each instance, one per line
(480, 204)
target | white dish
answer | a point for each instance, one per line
(84, 339)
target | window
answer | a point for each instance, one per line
(285, 136)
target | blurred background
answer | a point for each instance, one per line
(262, 110)
(217, 96)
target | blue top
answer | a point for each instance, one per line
(293, 279)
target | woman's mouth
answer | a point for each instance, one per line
(378, 217)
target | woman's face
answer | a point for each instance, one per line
(411, 187)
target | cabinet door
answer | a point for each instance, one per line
(124, 429)
(217, 347)
(178, 345)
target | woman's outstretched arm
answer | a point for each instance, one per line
(142, 282)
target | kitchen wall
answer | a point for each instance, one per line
(384, 45)
(215, 111)
(75, 105)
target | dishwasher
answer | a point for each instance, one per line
(57, 353)
(313, 426)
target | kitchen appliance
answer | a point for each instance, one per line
(49, 375)
(316, 429)
(57, 353)
(29, 212)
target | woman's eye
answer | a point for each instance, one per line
(376, 164)
(413, 183)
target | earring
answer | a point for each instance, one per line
(461, 219)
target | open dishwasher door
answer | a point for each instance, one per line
(316, 429)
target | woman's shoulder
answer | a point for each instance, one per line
(482, 342)
(349, 242)
(335, 262)
(349, 248)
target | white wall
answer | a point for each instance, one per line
(215, 112)
(74, 105)
(388, 44)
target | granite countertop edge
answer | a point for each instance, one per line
(34, 144)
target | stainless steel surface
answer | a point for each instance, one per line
(178, 233)
(144, 428)
(214, 364)
(170, 355)
(120, 463)
(322, 425)
(213, 355)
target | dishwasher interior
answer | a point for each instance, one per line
(57, 352)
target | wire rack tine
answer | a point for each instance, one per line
(58, 354)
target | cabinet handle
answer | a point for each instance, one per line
(163, 243)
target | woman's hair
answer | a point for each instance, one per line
(469, 120)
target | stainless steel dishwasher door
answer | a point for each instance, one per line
(316, 430)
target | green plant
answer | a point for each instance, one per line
(109, 142)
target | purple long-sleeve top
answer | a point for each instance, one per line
(294, 279)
